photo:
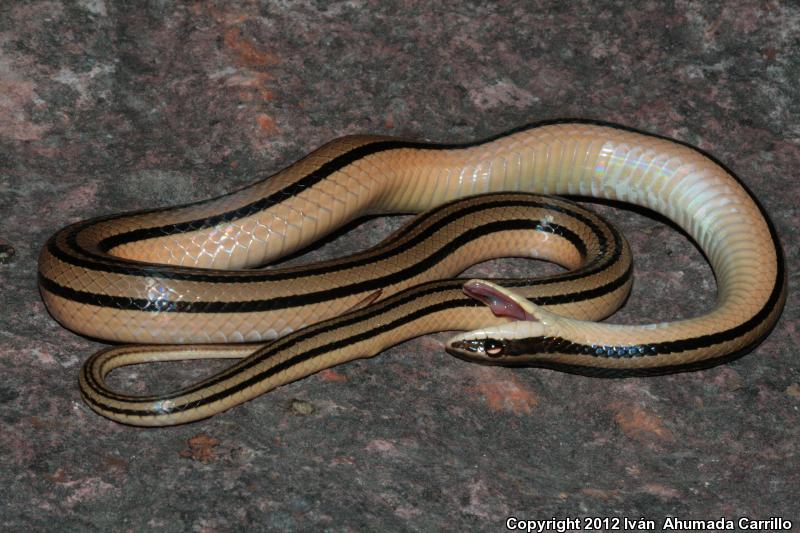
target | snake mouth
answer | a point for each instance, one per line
(485, 344)
(501, 303)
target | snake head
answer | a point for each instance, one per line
(506, 344)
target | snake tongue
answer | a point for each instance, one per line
(500, 303)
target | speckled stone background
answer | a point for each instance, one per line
(106, 106)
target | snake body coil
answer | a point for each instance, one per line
(176, 274)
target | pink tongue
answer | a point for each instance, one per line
(499, 303)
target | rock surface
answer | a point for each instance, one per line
(107, 106)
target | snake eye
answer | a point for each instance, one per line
(493, 347)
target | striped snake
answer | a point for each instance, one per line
(184, 274)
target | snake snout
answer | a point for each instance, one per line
(480, 348)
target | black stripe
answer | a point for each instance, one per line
(554, 345)
(285, 302)
(305, 356)
(535, 345)
(372, 313)
(563, 345)
(106, 263)
(602, 262)
(312, 179)
(261, 204)
(612, 373)
(345, 321)
(674, 346)
(323, 172)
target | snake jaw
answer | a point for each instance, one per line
(499, 344)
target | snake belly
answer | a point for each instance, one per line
(87, 279)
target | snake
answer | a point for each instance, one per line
(183, 280)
